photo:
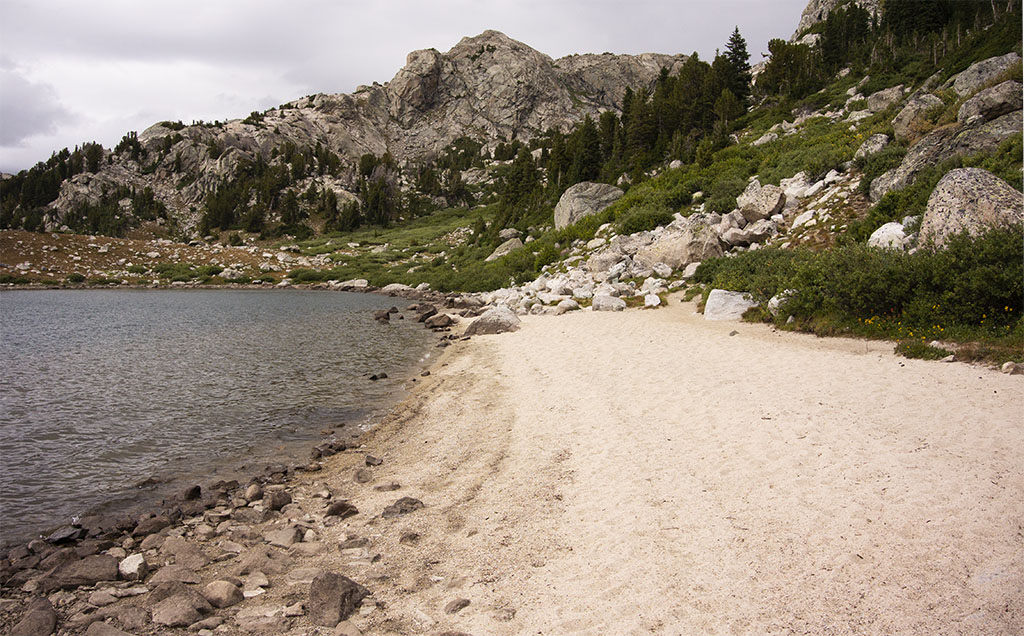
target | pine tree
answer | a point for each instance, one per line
(739, 59)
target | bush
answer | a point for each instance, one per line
(972, 288)
(874, 166)
(76, 278)
(643, 218)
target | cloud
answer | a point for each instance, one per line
(27, 108)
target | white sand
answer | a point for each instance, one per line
(648, 473)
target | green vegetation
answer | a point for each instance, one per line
(971, 290)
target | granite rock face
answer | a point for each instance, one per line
(969, 200)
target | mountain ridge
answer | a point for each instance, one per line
(488, 87)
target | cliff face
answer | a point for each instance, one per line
(817, 10)
(487, 87)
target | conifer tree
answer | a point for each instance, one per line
(739, 59)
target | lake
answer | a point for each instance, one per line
(100, 389)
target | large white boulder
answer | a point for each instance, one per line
(727, 305)
(677, 247)
(889, 236)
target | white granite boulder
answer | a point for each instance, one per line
(727, 305)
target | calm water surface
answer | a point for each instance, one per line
(101, 389)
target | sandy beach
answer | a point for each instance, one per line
(653, 473)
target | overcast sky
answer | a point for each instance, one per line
(74, 71)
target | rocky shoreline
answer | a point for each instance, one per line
(194, 561)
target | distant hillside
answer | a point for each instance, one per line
(487, 89)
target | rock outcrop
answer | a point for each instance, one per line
(817, 11)
(977, 75)
(947, 143)
(969, 200)
(992, 102)
(908, 122)
(583, 200)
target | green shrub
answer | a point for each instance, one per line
(874, 166)
(643, 218)
(137, 269)
(920, 350)
(973, 288)
(210, 270)
(76, 278)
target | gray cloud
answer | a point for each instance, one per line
(27, 109)
(113, 60)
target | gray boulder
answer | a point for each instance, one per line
(495, 320)
(566, 306)
(395, 288)
(885, 98)
(935, 147)
(971, 200)
(504, 249)
(760, 202)
(333, 598)
(981, 73)
(583, 200)
(601, 262)
(912, 117)
(873, 144)
(222, 594)
(677, 247)
(992, 102)
(727, 305)
(508, 233)
(604, 302)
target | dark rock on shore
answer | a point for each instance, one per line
(66, 534)
(276, 499)
(341, 509)
(39, 620)
(151, 525)
(456, 606)
(88, 571)
(333, 598)
(403, 506)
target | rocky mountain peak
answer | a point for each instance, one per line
(817, 10)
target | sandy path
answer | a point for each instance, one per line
(649, 473)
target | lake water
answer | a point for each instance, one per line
(102, 389)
